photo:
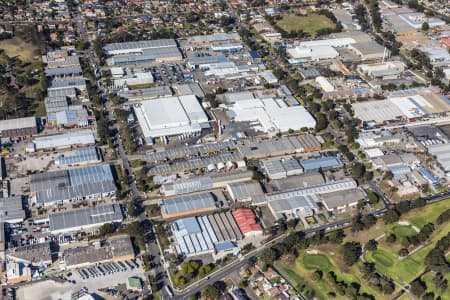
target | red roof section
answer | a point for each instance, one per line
(246, 220)
(446, 41)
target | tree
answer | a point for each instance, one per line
(391, 216)
(317, 275)
(371, 245)
(373, 198)
(322, 122)
(418, 287)
(403, 252)
(211, 292)
(189, 268)
(132, 210)
(402, 207)
(351, 251)
(425, 26)
(268, 256)
(392, 238)
(358, 170)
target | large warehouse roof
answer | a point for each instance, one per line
(71, 177)
(12, 124)
(128, 47)
(70, 184)
(82, 155)
(170, 116)
(442, 152)
(186, 204)
(11, 209)
(378, 111)
(271, 114)
(65, 140)
(85, 218)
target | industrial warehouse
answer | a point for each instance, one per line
(58, 187)
(85, 219)
(132, 53)
(181, 116)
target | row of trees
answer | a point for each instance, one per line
(375, 279)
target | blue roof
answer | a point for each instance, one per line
(323, 162)
(225, 245)
(431, 177)
(400, 169)
(189, 224)
(254, 54)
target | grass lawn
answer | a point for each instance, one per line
(17, 46)
(309, 24)
(301, 273)
(402, 231)
(316, 262)
(421, 216)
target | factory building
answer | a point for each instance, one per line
(245, 191)
(181, 116)
(182, 206)
(79, 138)
(85, 219)
(205, 235)
(247, 223)
(22, 127)
(268, 114)
(281, 168)
(339, 202)
(205, 182)
(139, 47)
(58, 187)
(324, 163)
(382, 71)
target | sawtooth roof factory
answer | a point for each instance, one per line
(57, 187)
(402, 105)
(173, 116)
(270, 114)
(132, 53)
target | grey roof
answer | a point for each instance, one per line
(147, 55)
(71, 184)
(93, 216)
(63, 92)
(67, 82)
(11, 209)
(87, 254)
(187, 203)
(245, 189)
(273, 167)
(54, 104)
(190, 185)
(141, 45)
(121, 245)
(335, 199)
(63, 71)
(304, 180)
(183, 152)
(294, 203)
(85, 154)
(143, 94)
(217, 37)
(12, 124)
(194, 163)
(442, 152)
(323, 162)
(67, 193)
(71, 177)
(36, 253)
(72, 138)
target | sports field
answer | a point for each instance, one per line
(309, 24)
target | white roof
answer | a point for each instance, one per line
(170, 116)
(10, 124)
(375, 152)
(339, 42)
(82, 137)
(271, 114)
(314, 52)
(325, 84)
(377, 110)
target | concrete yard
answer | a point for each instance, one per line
(51, 290)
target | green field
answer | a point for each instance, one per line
(316, 262)
(421, 216)
(403, 231)
(309, 24)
